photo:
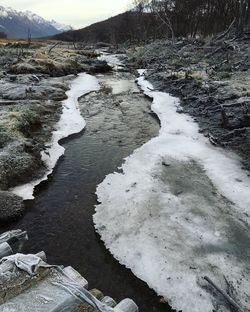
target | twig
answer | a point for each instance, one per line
(225, 295)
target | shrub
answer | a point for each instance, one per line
(4, 137)
(27, 121)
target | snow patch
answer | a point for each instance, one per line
(179, 212)
(61, 27)
(71, 122)
(3, 12)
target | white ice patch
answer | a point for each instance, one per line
(71, 122)
(113, 60)
(172, 239)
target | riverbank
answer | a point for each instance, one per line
(33, 86)
(212, 80)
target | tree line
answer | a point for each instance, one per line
(176, 18)
(155, 19)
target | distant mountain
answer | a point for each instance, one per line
(16, 24)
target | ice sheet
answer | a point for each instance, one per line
(71, 122)
(179, 212)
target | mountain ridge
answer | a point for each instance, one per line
(17, 24)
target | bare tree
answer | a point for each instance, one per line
(163, 10)
(29, 38)
(244, 8)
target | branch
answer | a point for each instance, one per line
(224, 294)
(53, 47)
(226, 32)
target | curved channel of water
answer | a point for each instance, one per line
(59, 220)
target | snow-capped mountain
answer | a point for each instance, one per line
(17, 24)
(60, 27)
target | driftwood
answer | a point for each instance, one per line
(225, 295)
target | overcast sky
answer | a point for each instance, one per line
(78, 13)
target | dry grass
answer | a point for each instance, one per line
(35, 41)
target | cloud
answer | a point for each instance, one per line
(78, 13)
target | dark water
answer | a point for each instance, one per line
(59, 220)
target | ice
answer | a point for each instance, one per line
(113, 60)
(71, 122)
(179, 211)
(122, 86)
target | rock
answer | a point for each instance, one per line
(11, 206)
(47, 89)
(47, 92)
(12, 91)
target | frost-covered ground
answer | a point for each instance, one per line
(71, 122)
(179, 212)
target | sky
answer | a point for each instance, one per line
(77, 13)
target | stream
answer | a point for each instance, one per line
(175, 211)
(59, 219)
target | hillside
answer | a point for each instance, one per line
(16, 24)
(154, 20)
(120, 28)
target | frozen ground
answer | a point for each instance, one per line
(179, 212)
(71, 122)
